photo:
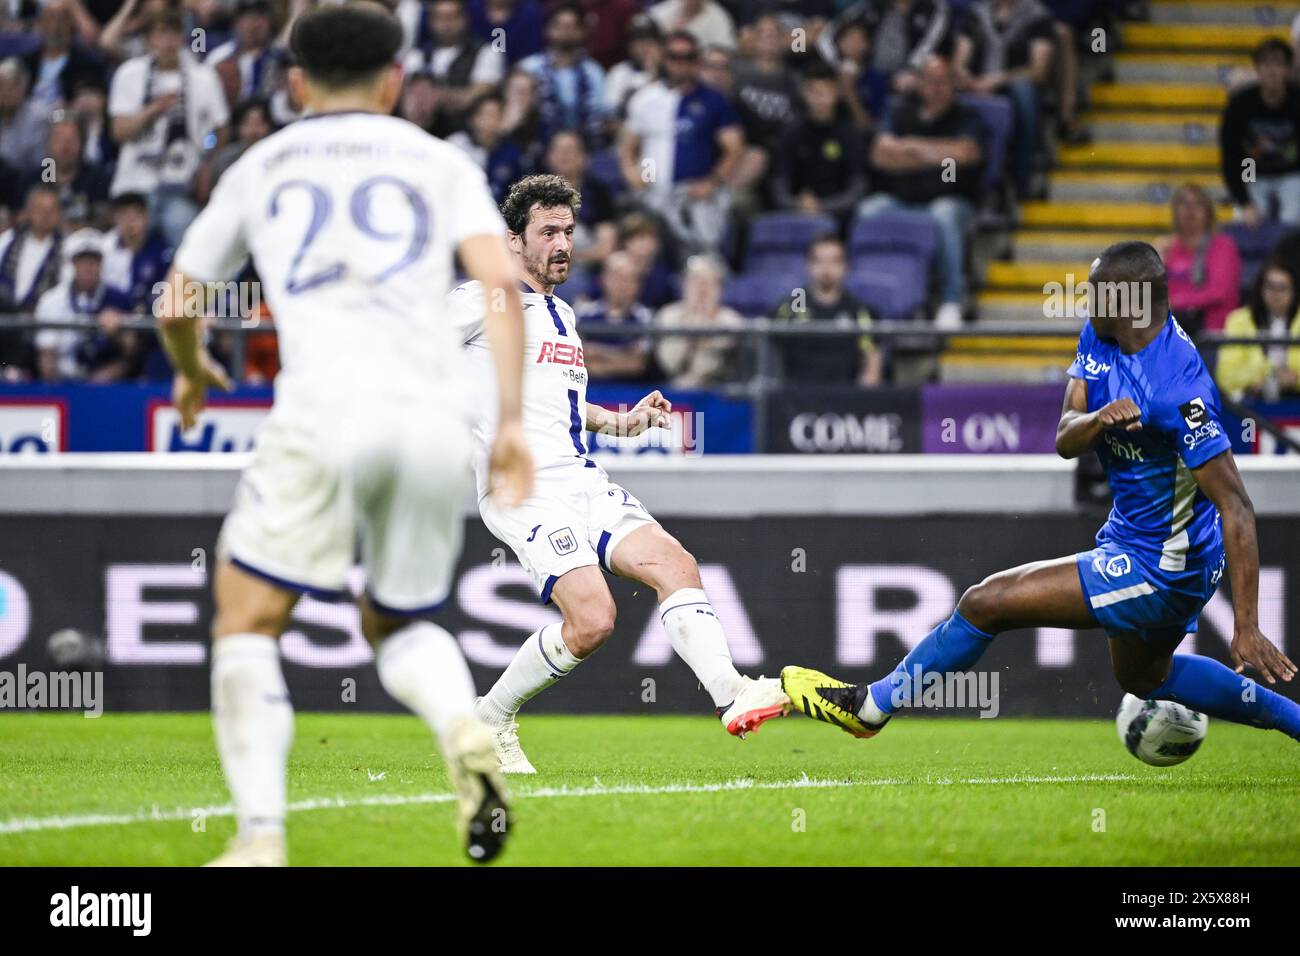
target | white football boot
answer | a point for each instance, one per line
(505, 738)
(267, 849)
(756, 702)
(482, 801)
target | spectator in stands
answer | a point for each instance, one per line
(24, 122)
(681, 145)
(820, 165)
(104, 351)
(645, 54)
(164, 107)
(827, 360)
(638, 236)
(127, 34)
(1259, 140)
(903, 34)
(522, 120)
(609, 28)
(89, 108)
(30, 265)
(82, 187)
(1263, 371)
(706, 20)
(1202, 264)
(928, 158)
(629, 357)
(865, 89)
(251, 122)
(419, 102)
(1072, 19)
(58, 63)
(136, 254)
(767, 90)
(485, 140)
(249, 64)
(1005, 47)
(462, 66)
(700, 360)
(570, 84)
(595, 235)
(519, 24)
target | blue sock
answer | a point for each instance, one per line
(1208, 686)
(954, 645)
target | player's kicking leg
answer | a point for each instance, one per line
(1051, 594)
(1042, 594)
(655, 558)
(251, 712)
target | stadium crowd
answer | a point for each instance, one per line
(727, 153)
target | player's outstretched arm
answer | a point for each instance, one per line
(651, 412)
(1079, 429)
(486, 259)
(1219, 479)
(196, 370)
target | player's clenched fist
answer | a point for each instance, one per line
(651, 412)
(1121, 413)
(510, 478)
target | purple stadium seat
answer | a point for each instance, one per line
(789, 232)
(755, 294)
(996, 115)
(894, 286)
(1254, 246)
(904, 232)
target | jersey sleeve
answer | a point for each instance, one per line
(473, 210)
(214, 245)
(1086, 338)
(466, 312)
(1189, 413)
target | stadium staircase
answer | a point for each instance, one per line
(1155, 122)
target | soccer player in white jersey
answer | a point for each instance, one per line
(578, 523)
(352, 217)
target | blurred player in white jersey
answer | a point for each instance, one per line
(578, 522)
(352, 218)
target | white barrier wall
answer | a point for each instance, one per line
(708, 486)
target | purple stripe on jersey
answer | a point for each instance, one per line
(575, 422)
(555, 316)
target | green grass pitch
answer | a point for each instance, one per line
(370, 790)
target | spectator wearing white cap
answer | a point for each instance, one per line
(103, 351)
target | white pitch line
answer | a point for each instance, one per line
(157, 815)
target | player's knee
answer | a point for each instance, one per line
(591, 627)
(980, 604)
(1140, 682)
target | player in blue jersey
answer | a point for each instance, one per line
(1139, 395)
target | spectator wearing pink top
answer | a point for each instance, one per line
(1203, 266)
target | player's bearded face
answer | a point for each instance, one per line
(548, 244)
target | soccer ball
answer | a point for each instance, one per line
(1159, 732)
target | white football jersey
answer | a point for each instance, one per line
(555, 379)
(352, 220)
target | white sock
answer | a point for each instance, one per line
(422, 667)
(541, 661)
(696, 635)
(253, 719)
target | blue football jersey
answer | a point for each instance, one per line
(1160, 513)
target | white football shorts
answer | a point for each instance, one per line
(575, 517)
(393, 483)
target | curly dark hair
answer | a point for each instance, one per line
(545, 191)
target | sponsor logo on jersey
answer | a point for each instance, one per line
(1091, 367)
(1194, 412)
(1129, 451)
(563, 541)
(1116, 567)
(560, 353)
